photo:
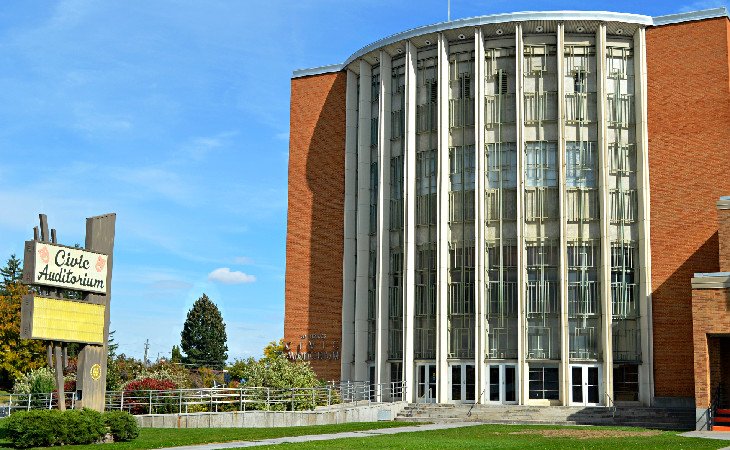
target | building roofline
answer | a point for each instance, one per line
(691, 16)
(299, 73)
(602, 16)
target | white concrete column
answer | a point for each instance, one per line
(347, 349)
(563, 266)
(479, 220)
(604, 193)
(363, 224)
(521, 254)
(442, 258)
(409, 233)
(646, 372)
(383, 233)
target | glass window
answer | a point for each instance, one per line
(540, 164)
(544, 383)
(501, 165)
(581, 161)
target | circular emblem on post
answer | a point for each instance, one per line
(95, 372)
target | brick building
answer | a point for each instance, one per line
(511, 209)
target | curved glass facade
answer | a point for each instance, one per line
(504, 243)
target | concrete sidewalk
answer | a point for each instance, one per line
(326, 437)
(719, 435)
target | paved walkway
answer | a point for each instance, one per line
(721, 435)
(326, 437)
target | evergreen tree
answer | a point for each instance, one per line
(11, 273)
(203, 338)
(176, 356)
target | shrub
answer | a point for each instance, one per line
(38, 381)
(277, 372)
(82, 426)
(177, 374)
(44, 428)
(138, 394)
(122, 425)
(38, 428)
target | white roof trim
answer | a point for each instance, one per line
(601, 16)
(299, 73)
(691, 16)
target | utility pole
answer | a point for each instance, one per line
(146, 347)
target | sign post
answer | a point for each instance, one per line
(72, 305)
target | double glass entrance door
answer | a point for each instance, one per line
(463, 383)
(426, 383)
(502, 383)
(585, 385)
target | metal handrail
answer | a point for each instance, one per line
(226, 399)
(712, 410)
(611, 405)
(479, 400)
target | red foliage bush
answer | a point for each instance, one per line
(138, 395)
(149, 384)
(69, 386)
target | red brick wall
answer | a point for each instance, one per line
(723, 216)
(314, 238)
(711, 316)
(689, 132)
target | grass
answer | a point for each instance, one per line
(524, 437)
(480, 436)
(165, 437)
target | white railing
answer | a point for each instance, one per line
(26, 402)
(178, 401)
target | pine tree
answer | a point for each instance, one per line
(203, 338)
(176, 355)
(12, 272)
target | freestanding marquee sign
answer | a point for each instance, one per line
(70, 303)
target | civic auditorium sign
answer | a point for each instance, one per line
(65, 267)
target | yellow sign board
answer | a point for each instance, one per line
(62, 320)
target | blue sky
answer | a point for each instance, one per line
(175, 115)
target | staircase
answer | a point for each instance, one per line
(721, 420)
(639, 416)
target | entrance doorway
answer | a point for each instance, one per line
(463, 386)
(426, 383)
(585, 384)
(625, 382)
(502, 383)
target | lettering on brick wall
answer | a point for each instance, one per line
(313, 347)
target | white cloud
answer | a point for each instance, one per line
(226, 276)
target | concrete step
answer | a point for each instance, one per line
(663, 418)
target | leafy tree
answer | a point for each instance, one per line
(11, 273)
(176, 355)
(122, 369)
(276, 372)
(17, 356)
(274, 349)
(203, 338)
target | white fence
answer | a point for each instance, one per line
(223, 399)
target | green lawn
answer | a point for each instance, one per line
(165, 437)
(524, 437)
(481, 436)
